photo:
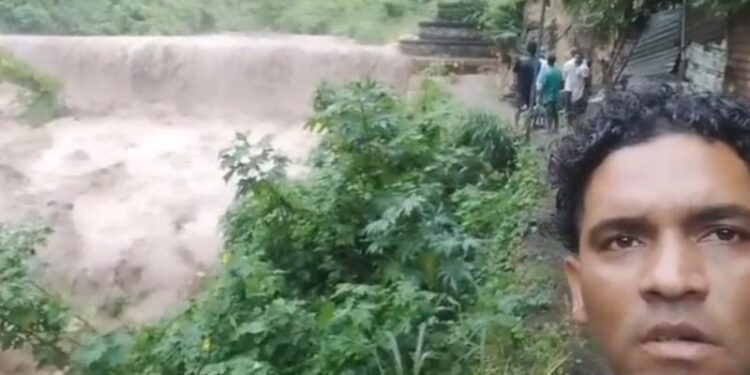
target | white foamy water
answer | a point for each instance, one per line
(268, 77)
(130, 179)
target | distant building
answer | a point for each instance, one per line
(695, 48)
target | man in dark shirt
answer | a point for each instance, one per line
(526, 70)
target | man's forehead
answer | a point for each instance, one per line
(673, 173)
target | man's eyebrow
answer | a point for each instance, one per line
(718, 213)
(635, 224)
(641, 224)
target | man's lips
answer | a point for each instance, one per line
(678, 341)
(676, 332)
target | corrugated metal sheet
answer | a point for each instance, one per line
(738, 69)
(704, 26)
(659, 46)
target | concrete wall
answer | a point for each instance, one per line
(706, 65)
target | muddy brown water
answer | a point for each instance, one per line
(129, 179)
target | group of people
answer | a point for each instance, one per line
(556, 88)
(653, 203)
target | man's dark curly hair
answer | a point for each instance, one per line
(633, 116)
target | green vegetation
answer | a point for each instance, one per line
(608, 17)
(399, 254)
(502, 21)
(370, 20)
(40, 94)
(365, 20)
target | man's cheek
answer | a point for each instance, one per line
(728, 307)
(609, 315)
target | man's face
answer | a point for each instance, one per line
(579, 59)
(662, 279)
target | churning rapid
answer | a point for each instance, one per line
(129, 179)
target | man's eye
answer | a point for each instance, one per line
(724, 235)
(622, 243)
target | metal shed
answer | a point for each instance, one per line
(658, 48)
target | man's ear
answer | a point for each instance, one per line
(573, 274)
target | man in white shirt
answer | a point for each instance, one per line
(575, 72)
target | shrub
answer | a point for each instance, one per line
(29, 316)
(40, 94)
(502, 20)
(396, 255)
(374, 20)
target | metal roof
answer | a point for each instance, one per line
(658, 48)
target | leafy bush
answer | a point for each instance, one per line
(606, 18)
(398, 254)
(40, 95)
(108, 17)
(28, 315)
(365, 20)
(480, 131)
(459, 11)
(502, 20)
(373, 20)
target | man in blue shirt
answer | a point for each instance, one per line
(551, 82)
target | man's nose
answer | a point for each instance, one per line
(674, 270)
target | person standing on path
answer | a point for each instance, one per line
(551, 82)
(567, 67)
(575, 73)
(526, 70)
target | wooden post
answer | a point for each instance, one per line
(683, 41)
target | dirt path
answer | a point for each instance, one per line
(481, 92)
